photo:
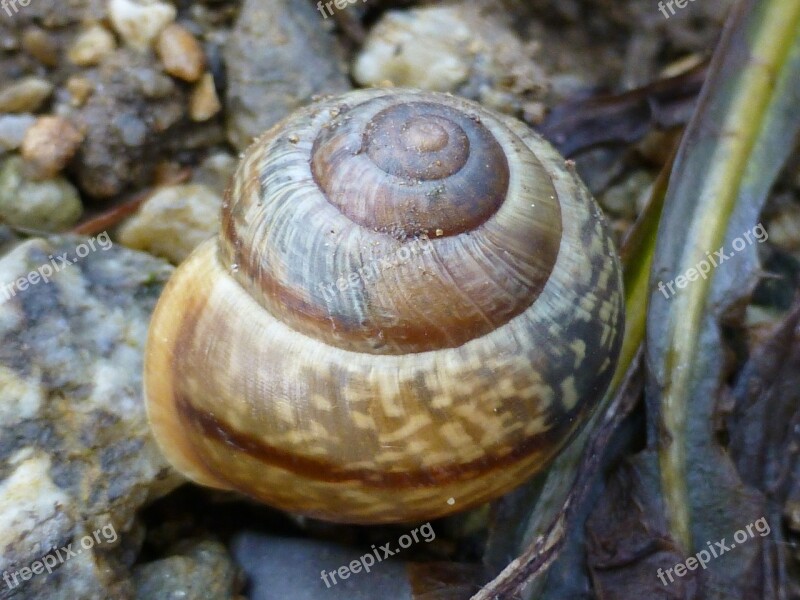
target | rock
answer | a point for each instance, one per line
(49, 205)
(181, 53)
(38, 525)
(204, 102)
(126, 120)
(76, 456)
(200, 569)
(278, 56)
(13, 129)
(216, 171)
(282, 567)
(41, 46)
(174, 221)
(152, 84)
(79, 89)
(139, 22)
(452, 48)
(26, 95)
(91, 46)
(426, 49)
(49, 145)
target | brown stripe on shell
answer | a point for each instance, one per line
(209, 427)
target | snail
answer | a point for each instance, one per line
(412, 305)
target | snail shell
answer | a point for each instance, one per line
(412, 305)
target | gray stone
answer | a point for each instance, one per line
(280, 567)
(48, 205)
(76, 455)
(134, 108)
(278, 57)
(13, 129)
(199, 569)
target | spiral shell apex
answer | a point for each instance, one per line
(412, 305)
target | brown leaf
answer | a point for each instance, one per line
(630, 550)
(576, 126)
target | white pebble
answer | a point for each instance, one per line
(139, 22)
(404, 49)
(13, 129)
(91, 46)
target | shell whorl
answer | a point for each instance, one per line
(326, 202)
(436, 378)
(411, 169)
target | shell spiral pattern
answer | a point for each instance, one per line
(411, 307)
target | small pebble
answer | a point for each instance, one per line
(139, 22)
(91, 46)
(180, 53)
(204, 102)
(79, 89)
(41, 46)
(12, 130)
(50, 205)
(8, 41)
(216, 171)
(173, 221)
(49, 145)
(408, 50)
(152, 83)
(202, 569)
(26, 95)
